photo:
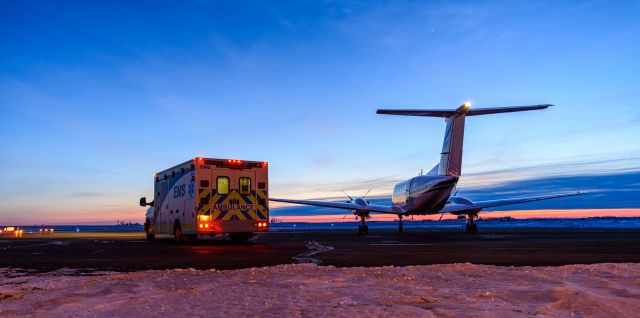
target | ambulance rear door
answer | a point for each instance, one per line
(233, 196)
(245, 186)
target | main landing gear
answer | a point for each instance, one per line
(363, 229)
(471, 226)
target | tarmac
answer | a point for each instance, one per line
(91, 252)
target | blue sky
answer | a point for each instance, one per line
(96, 96)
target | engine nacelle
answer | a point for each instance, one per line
(460, 200)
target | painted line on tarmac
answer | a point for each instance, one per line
(314, 249)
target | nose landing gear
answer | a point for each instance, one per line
(400, 224)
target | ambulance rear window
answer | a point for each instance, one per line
(245, 185)
(223, 185)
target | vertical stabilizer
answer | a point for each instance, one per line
(451, 155)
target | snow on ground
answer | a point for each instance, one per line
(307, 290)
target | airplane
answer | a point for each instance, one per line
(432, 193)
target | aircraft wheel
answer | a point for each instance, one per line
(400, 227)
(363, 229)
(468, 228)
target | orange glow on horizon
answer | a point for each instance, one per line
(516, 214)
(108, 216)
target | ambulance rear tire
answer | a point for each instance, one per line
(147, 231)
(177, 232)
(240, 238)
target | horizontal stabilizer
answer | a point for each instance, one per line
(468, 112)
(451, 154)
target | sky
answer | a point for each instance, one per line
(96, 96)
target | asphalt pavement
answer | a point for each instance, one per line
(90, 252)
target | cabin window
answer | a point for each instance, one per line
(245, 185)
(223, 185)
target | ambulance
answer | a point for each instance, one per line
(207, 196)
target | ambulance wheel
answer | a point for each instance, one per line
(147, 230)
(240, 238)
(177, 232)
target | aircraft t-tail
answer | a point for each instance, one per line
(432, 193)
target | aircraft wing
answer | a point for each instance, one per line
(456, 208)
(346, 206)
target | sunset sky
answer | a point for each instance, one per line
(96, 96)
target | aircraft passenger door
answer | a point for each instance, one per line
(409, 200)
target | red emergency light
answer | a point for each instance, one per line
(261, 225)
(205, 226)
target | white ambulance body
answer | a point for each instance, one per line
(209, 196)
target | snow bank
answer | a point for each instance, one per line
(307, 290)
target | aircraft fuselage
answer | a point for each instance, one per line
(423, 194)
